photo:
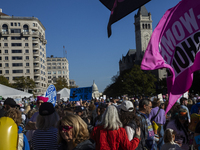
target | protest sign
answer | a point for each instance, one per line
(84, 93)
(51, 94)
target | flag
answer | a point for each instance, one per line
(121, 8)
(174, 45)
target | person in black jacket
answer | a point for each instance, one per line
(74, 134)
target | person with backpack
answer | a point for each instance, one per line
(147, 132)
(157, 115)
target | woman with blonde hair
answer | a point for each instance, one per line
(73, 134)
(109, 134)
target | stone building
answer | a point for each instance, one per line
(23, 50)
(57, 67)
(143, 32)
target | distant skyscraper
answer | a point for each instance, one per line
(57, 67)
(23, 49)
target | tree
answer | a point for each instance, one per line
(133, 82)
(4, 81)
(24, 83)
(60, 83)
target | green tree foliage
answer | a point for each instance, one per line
(24, 83)
(60, 83)
(4, 81)
(132, 82)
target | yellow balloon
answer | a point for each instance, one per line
(8, 134)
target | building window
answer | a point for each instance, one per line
(49, 81)
(17, 64)
(0, 58)
(44, 73)
(15, 24)
(48, 63)
(0, 71)
(63, 72)
(27, 51)
(6, 64)
(27, 71)
(53, 67)
(18, 24)
(27, 64)
(15, 38)
(59, 72)
(15, 30)
(41, 72)
(7, 71)
(49, 77)
(33, 24)
(54, 72)
(0, 51)
(0, 64)
(11, 23)
(49, 72)
(6, 57)
(53, 59)
(26, 38)
(17, 58)
(27, 57)
(41, 66)
(6, 51)
(6, 44)
(17, 71)
(48, 67)
(16, 51)
(53, 63)
(59, 64)
(5, 38)
(26, 44)
(16, 44)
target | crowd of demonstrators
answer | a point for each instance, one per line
(112, 123)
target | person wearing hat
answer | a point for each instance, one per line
(128, 118)
(45, 136)
(158, 116)
(31, 125)
(8, 103)
(81, 112)
(179, 125)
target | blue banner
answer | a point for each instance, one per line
(84, 93)
(51, 94)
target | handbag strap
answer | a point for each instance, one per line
(155, 115)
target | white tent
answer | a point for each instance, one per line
(64, 93)
(6, 92)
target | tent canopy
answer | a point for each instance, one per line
(64, 93)
(6, 92)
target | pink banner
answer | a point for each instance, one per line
(175, 44)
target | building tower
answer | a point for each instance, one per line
(23, 50)
(143, 31)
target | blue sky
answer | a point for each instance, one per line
(81, 26)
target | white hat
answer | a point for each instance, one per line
(127, 105)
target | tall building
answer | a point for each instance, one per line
(23, 49)
(143, 32)
(57, 67)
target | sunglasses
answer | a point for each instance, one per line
(65, 128)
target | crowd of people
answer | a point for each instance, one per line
(111, 124)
